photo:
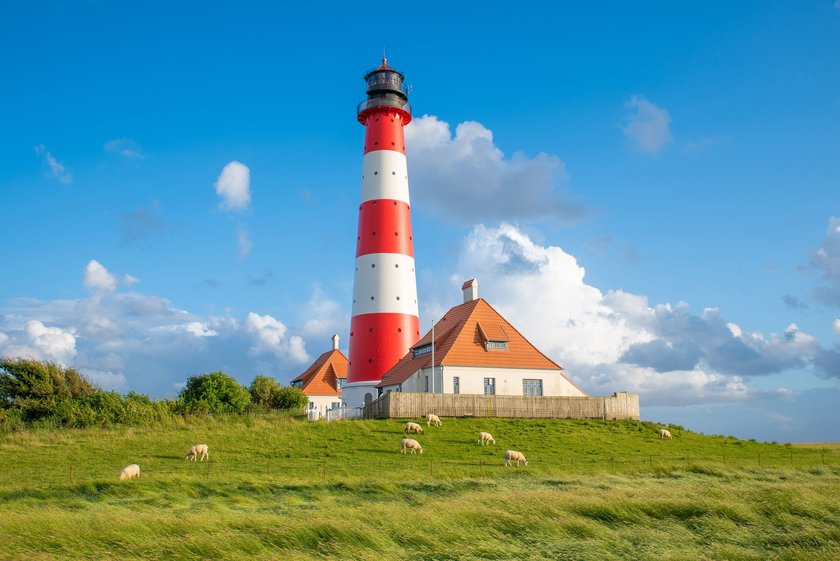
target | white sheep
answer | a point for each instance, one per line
(514, 456)
(410, 444)
(409, 426)
(432, 419)
(485, 437)
(201, 449)
(130, 471)
(663, 433)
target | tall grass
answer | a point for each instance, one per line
(279, 487)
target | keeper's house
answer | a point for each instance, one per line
(322, 381)
(477, 351)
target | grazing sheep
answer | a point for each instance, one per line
(411, 444)
(130, 471)
(409, 426)
(665, 434)
(196, 450)
(485, 437)
(514, 456)
(432, 419)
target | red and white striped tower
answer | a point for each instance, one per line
(385, 319)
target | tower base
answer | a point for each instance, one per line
(356, 394)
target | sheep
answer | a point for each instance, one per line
(663, 433)
(431, 419)
(409, 426)
(196, 450)
(130, 471)
(513, 455)
(485, 437)
(410, 443)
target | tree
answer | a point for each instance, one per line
(40, 389)
(267, 393)
(215, 392)
(264, 391)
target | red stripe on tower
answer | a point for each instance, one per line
(385, 314)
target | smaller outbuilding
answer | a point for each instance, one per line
(323, 380)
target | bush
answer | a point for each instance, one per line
(267, 393)
(215, 392)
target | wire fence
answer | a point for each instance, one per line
(19, 479)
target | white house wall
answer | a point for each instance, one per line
(321, 403)
(508, 380)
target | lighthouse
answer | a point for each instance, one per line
(385, 320)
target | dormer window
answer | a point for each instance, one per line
(422, 350)
(496, 346)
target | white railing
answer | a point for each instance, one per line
(339, 413)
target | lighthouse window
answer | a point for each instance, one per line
(397, 265)
(373, 265)
(371, 297)
(376, 172)
(398, 297)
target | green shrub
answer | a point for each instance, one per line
(267, 393)
(215, 392)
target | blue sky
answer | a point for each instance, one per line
(648, 192)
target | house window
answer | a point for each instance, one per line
(425, 349)
(456, 384)
(489, 386)
(311, 405)
(495, 346)
(335, 405)
(532, 388)
(427, 383)
(339, 382)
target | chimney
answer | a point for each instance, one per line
(470, 289)
(335, 342)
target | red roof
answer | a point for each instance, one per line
(460, 338)
(322, 375)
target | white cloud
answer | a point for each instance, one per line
(129, 280)
(648, 125)
(827, 260)
(324, 317)
(98, 278)
(243, 241)
(837, 321)
(234, 187)
(269, 335)
(57, 170)
(617, 340)
(125, 147)
(51, 343)
(109, 381)
(194, 328)
(467, 178)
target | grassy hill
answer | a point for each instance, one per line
(278, 487)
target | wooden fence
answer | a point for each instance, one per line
(404, 405)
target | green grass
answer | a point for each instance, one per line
(280, 488)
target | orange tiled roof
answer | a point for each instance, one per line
(321, 376)
(459, 341)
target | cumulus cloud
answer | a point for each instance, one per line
(234, 187)
(98, 278)
(616, 340)
(125, 147)
(827, 260)
(467, 178)
(324, 317)
(127, 340)
(648, 125)
(837, 327)
(57, 170)
(270, 335)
